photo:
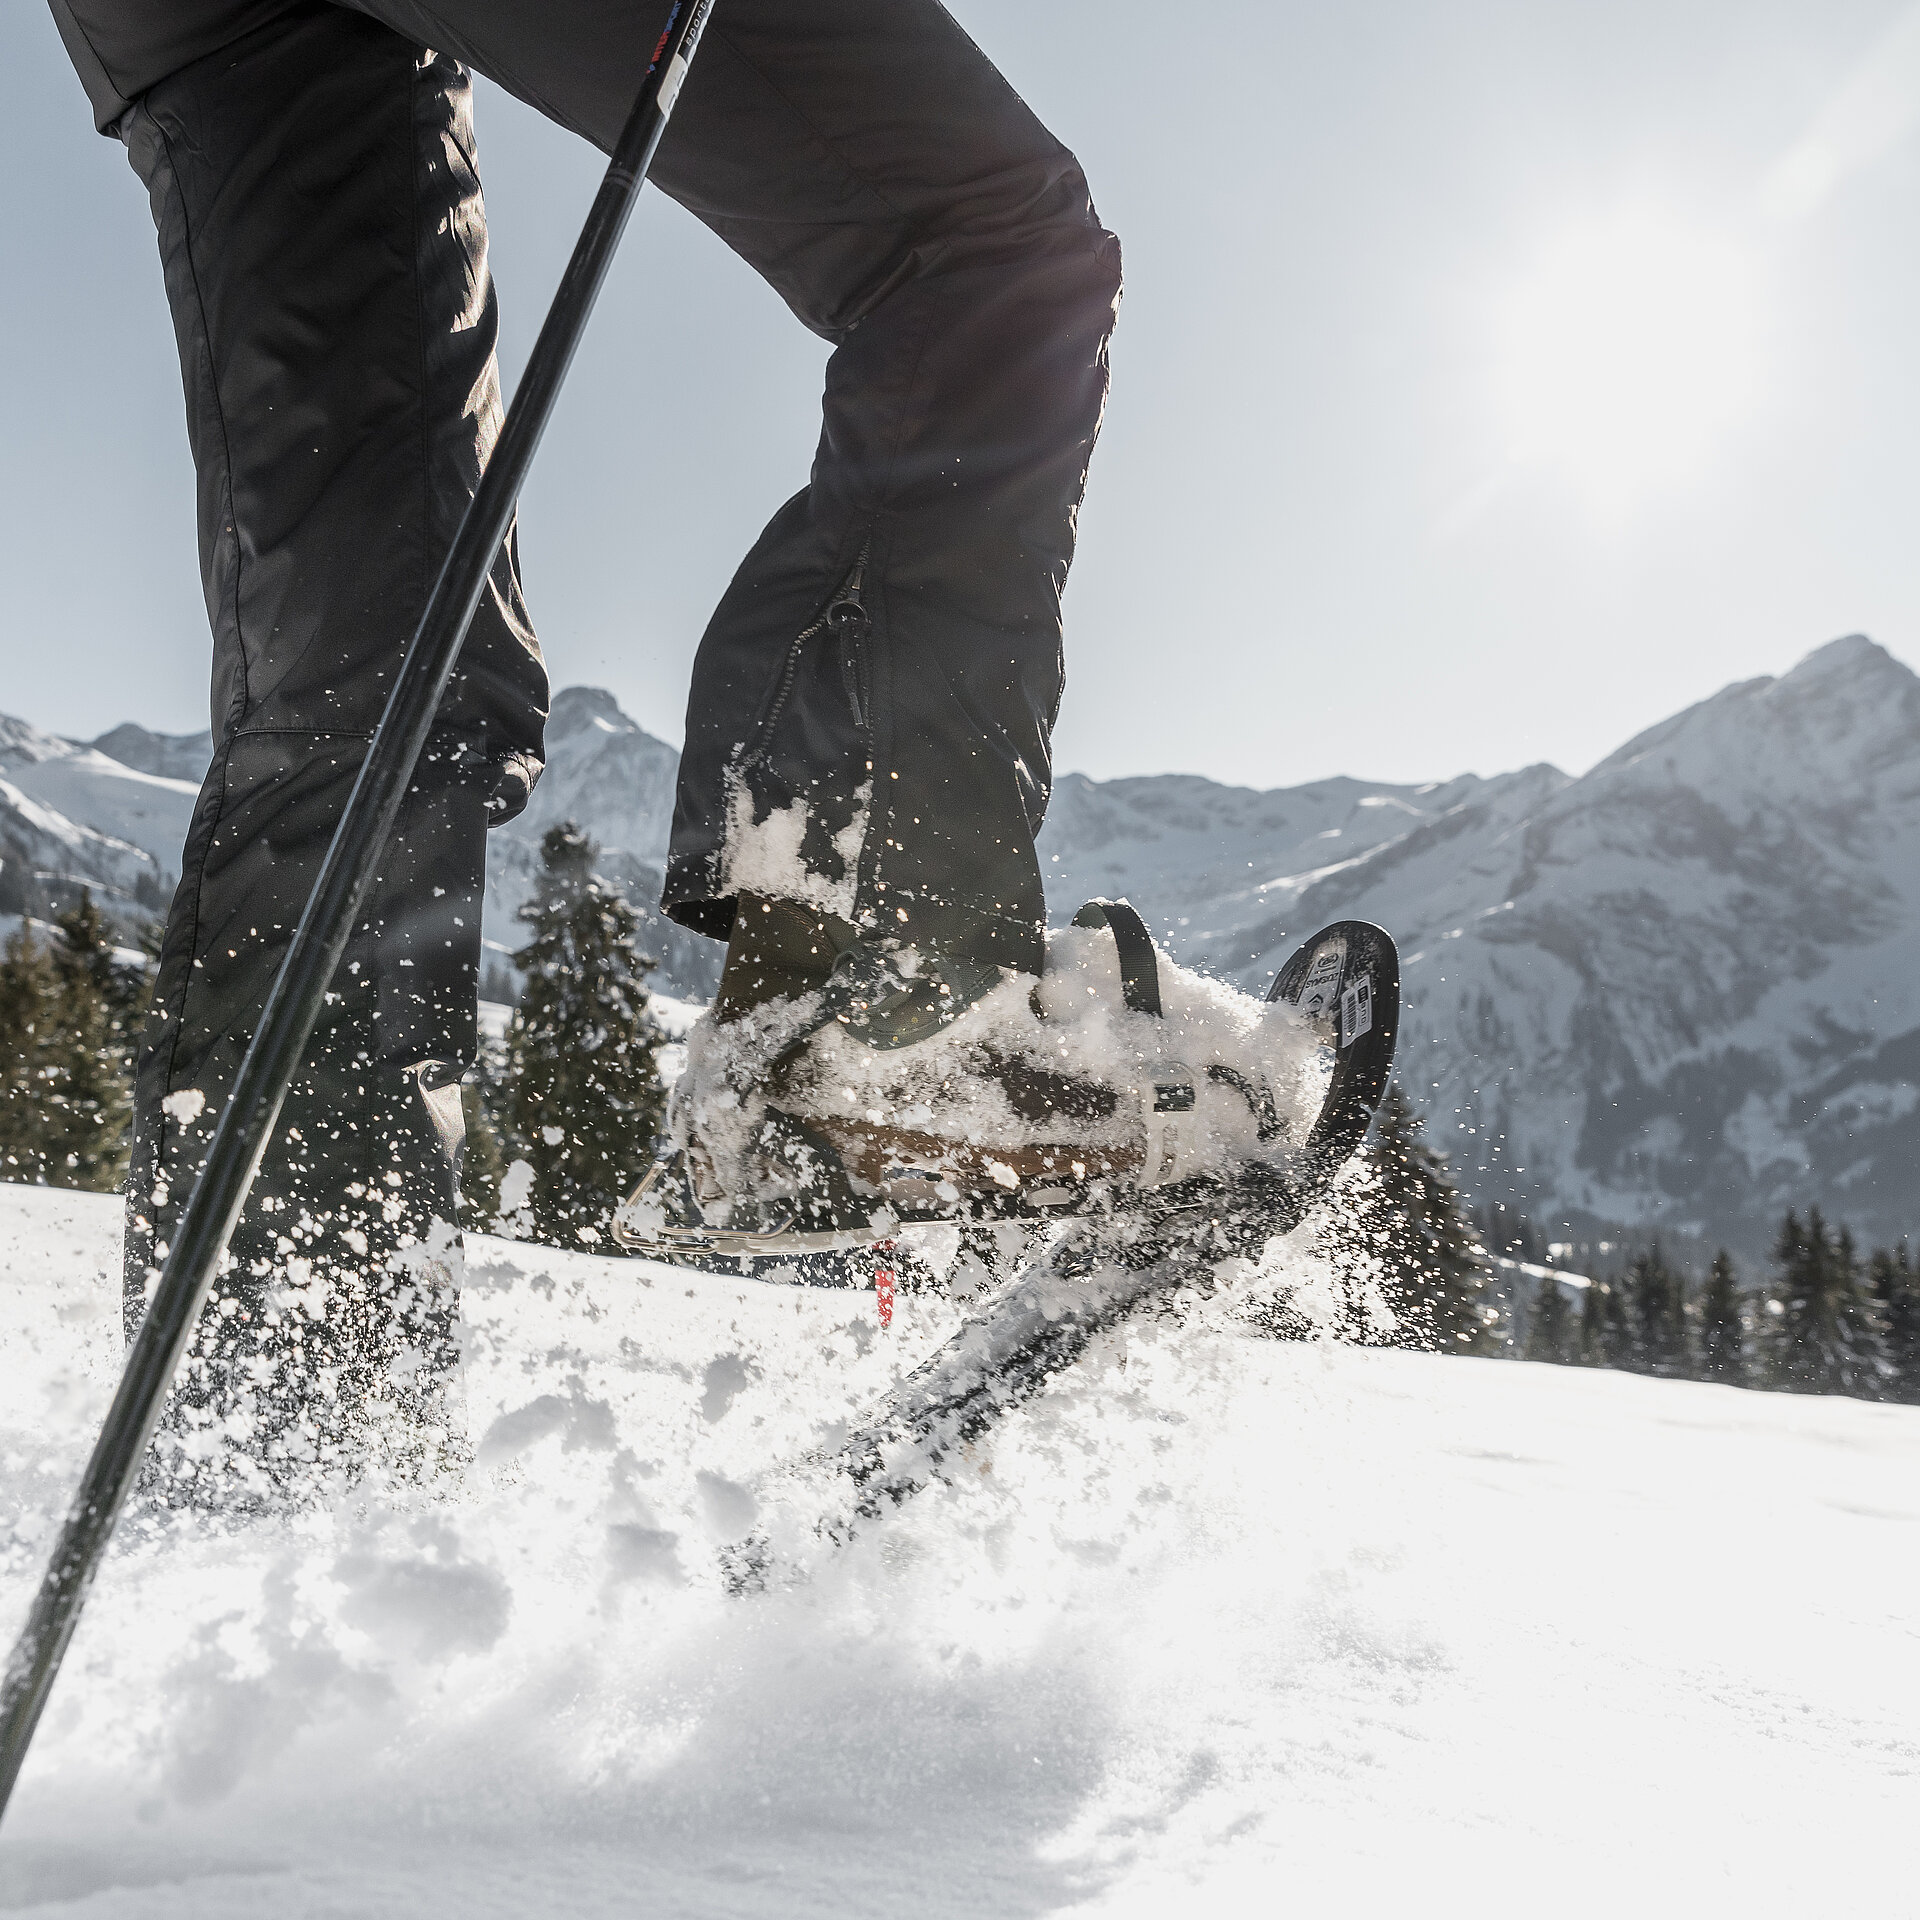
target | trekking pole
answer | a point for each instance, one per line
(287, 1021)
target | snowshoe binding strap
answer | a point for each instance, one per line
(662, 1220)
(1139, 970)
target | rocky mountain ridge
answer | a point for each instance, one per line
(1677, 992)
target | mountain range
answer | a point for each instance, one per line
(1676, 993)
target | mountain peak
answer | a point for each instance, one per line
(172, 756)
(1853, 657)
(1847, 710)
(575, 709)
(22, 742)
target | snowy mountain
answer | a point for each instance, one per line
(111, 814)
(1677, 992)
(609, 775)
(73, 816)
(1218, 1626)
(174, 756)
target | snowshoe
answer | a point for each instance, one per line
(1077, 1277)
(1121, 1087)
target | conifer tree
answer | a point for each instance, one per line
(1723, 1338)
(482, 1163)
(1657, 1300)
(1896, 1287)
(1553, 1334)
(1592, 1335)
(1436, 1279)
(69, 1016)
(1607, 1333)
(583, 1100)
(1501, 1230)
(1824, 1338)
(29, 1012)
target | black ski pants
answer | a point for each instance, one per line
(313, 181)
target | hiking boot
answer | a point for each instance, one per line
(913, 1087)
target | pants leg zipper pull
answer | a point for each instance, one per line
(849, 621)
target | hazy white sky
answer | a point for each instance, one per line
(1494, 377)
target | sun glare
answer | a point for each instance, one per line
(1627, 353)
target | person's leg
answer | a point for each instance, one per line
(324, 248)
(889, 767)
(946, 243)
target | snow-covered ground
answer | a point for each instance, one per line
(1221, 1627)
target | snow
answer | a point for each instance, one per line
(1220, 1626)
(764, 856)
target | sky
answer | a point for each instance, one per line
(1494, 377)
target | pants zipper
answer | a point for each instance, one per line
(846, 617)
(851, 623)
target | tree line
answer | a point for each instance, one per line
(561, 1119)
(1822, 1318)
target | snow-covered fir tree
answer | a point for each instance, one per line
(1723, 1333)
(70, 1009)
(1821, 1335)
(1895, 1286)
(583, 1100)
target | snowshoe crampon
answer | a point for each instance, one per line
(1175, 1098)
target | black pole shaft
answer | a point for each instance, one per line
(287, 1021)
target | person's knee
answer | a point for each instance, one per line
(1035, 210)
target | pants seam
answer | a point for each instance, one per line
(230, 533)
(415, 92)
(884, 815)
(203, 345)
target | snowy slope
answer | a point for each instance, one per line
(1190, 851)
(71, 816)
(1221, 1627)
(175, 756)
